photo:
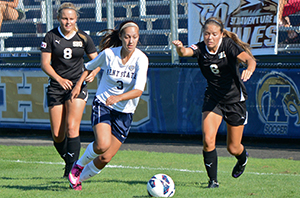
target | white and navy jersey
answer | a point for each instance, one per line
(221, 71)
(67, 54)
(118, 78)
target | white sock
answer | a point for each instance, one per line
(89, 171)
(87, 156)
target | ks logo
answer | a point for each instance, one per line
(277, 99)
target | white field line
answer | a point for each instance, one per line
(145, 168)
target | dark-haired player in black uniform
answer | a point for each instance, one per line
(62, 60)
(219, 56)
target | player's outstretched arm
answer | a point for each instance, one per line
(181, 50)
(92, 75)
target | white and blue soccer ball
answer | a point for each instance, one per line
(161, 185)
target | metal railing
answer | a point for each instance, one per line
(46, 19)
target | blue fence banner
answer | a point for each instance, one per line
(171, 103)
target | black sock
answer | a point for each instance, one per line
(61, 148)
(211, 164)
(242, 157)
(73, 150)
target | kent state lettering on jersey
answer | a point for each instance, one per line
(122, 74)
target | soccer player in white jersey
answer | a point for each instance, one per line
(62, 60)
(219, 55)
(124, 77)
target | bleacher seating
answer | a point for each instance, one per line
(30, 32)
(19, 27)
(283, 34)
(30, 3)
(26, 41)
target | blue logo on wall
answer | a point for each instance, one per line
(277, 100)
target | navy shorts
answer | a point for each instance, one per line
(120, 122)
(58, 96)
(234, 114)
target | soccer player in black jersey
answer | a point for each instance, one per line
(62, 60)
(218, 57)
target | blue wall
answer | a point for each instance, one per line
(171, 103)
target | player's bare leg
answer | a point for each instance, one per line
(235, 147)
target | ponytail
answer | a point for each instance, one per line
(110, 39)
(239, 42)
(82, 36)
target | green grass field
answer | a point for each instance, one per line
(29, 171)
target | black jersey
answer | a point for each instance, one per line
(67, 54)
(221, 71)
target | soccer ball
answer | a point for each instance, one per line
(161, 185)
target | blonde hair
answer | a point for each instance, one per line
(69, 5)
(245, 46)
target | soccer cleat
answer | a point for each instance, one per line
(239, 168)
(76, 187)
(74, 175)
(213, 184)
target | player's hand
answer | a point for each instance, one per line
(112, 100)
(75, 92)
(246, 74)
(91, 77)
(177, 43)
(65, 84)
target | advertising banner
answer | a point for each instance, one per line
(171, 103)
(23, 100)
(255, 22)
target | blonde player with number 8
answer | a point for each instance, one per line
(62, 60)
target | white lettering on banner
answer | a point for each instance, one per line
(258, 33)
(252, 20)
(256, 36)
(271, 34)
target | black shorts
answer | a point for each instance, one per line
(58, 96)
(120, 122)
(234, 114)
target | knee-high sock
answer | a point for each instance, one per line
(88, 155)
(242, 158)
(211, 164)
(61, 148)
(89, 171)
(73, 150)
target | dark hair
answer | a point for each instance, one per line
(229, 34)
(111, 36)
